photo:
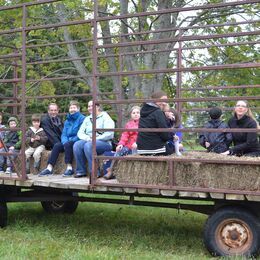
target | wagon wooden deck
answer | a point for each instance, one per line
(110, 186)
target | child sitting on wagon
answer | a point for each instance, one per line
(36, 139)
(213, 141)
(12, 142)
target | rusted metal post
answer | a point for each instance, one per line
(93, 175)
(23, 92)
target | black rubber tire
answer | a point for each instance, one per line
(232, 231)
(3, 214)
(56, 207)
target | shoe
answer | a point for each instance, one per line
(2, 170)
(68, 173)
(109, 174)
(45, 172)
(79, 175)
(8, 170)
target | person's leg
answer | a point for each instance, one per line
(2, 160)
(37, 156)
(10, 159)
(29, 152)
(101, 147)
(56, 150)
(68, 147)
(78, 151)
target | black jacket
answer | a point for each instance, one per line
(152, 142)
(52, 130)
(244, 142)
(219, 142)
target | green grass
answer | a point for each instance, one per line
(102, 231)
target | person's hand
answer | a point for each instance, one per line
(134, 146)
(207, 144)
(32, 140)
(119, 147)
(37, 137)
(175, 138)
(226, 152)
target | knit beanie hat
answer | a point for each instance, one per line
(215, 113)
(12, 118)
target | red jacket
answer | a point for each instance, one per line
(128, 138)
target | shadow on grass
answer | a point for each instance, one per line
(122, 226)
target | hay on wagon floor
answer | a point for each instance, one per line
(193, 174)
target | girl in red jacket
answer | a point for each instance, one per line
(127, 144)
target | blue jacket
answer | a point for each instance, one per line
(71, 127)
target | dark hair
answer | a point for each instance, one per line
(158, 94)
(36, 117)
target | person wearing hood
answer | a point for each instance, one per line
(212, 141)
(245, 143)
(152, 116)
(68, 138)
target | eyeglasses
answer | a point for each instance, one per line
(241, 106)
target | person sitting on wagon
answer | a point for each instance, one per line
(173, 121)
(12, 140)
(36, 139)
(68, 138)
(83, 148)
(52, 125)
(212, 141)
(152, 116)
(127, 143)
(244, 143)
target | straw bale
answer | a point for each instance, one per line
(193, 174)
(59, 167)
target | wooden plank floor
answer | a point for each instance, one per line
(71, 183)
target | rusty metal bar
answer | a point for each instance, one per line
(220, 87)
(203, 99)
(180, 9)
(187, 69)
(10, 56)
(93, 174)
(38, 2)
(23, 89)
(176, 39)
(176, 159)
(190, 129)
(179, 28)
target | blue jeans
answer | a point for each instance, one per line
(83, 152)
(8, 159)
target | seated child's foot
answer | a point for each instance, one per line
(179, 154)
(8, 170)
(68, 173)
(109, 174)
(2, 170)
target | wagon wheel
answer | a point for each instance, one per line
(60, 206)
(232, 231)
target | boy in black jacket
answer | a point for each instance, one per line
(12, 141)
(215, 142)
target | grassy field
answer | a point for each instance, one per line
(102, 231)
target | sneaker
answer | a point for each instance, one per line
(8, 170)
(68, 173)
(80, 175)
(1, 170)
(45, 172)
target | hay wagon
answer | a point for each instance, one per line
(231, 186)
